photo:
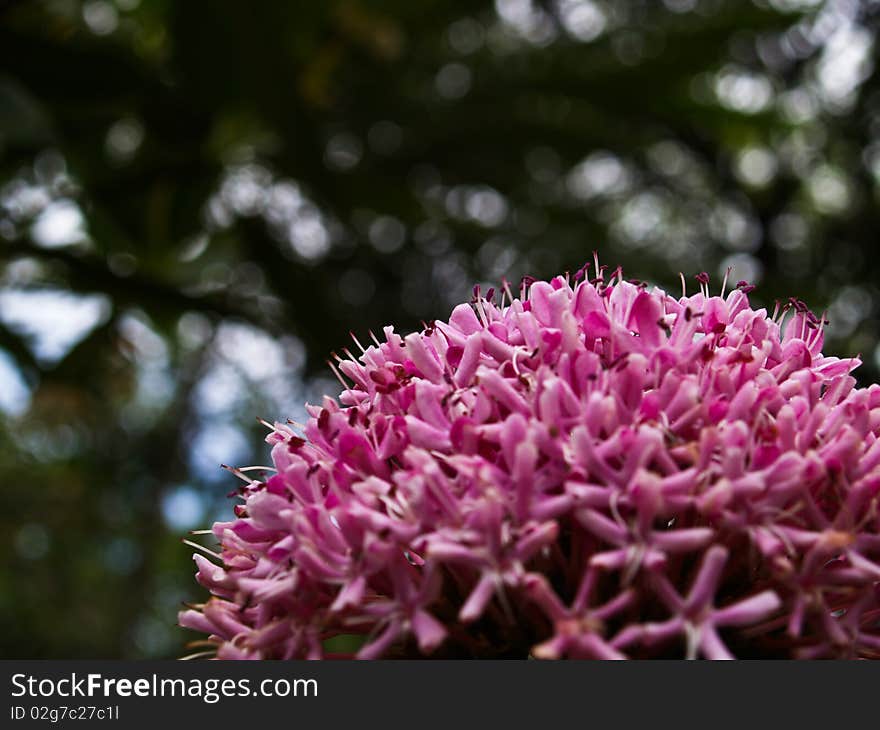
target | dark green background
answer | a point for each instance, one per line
(224, 189)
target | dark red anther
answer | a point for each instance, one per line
(600, 276)
(799, 306)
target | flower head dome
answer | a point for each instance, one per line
(595, 469)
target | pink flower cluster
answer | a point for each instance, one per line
(596, 469)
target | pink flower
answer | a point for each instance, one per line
(594, 469)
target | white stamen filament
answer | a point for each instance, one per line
(198, 655)
(357, 342)
(203, 549)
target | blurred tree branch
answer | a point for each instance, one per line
(88, 273)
